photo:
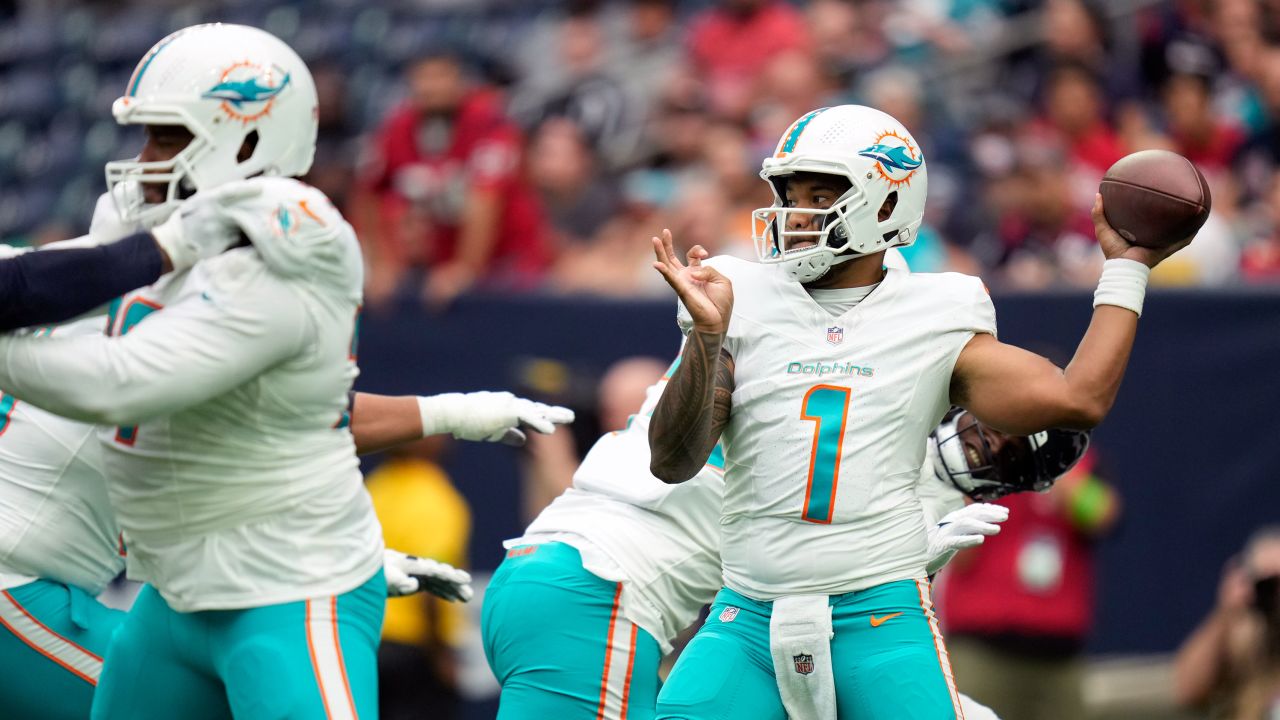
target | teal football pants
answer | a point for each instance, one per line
(307, 660)
(52, 641)
(887, 656)
(558, 644)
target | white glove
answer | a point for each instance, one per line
(106, 225)
(407, 575)
(974, 710)
(963, 528)
(491, 416)
(201, 227)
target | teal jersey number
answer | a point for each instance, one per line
(7, 404)
(827, 407)
(134, 312)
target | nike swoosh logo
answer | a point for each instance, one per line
(878, 621)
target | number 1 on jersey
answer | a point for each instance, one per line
(827, 406)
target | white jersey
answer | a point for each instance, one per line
(225, 383)
(826, 437)
(661, 541)
(55, 520)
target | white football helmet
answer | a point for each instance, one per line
(223, 83)
(878, 157)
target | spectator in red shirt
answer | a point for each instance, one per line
(443, 191)
(1075, 117)
(1018, 609)
(731, 44)
(1197, 133)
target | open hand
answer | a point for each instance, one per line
(1114, 246)
(706, 293)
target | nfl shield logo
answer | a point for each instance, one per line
(728, 614)
(835, 335)
(804, 663)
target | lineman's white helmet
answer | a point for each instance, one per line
(223, 83)
(878, 157)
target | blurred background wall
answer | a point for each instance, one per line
(506, 161)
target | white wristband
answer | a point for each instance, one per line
(438, 413)
(1123, 284)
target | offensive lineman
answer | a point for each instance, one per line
(62, 545)
(820, 529)
(240, 501)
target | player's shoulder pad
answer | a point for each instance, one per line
(955, 300)
(300, 234)
(949, 286)
(745, 274)
(732, 267)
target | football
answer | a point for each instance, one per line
(1155, 198)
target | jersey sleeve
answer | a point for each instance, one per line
(972, 313)
(51, 286)
(180, 356)
(979, 313)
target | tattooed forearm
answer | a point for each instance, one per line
(693, 410)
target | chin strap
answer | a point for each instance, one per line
(812, 267)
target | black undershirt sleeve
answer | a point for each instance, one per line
(52, 286)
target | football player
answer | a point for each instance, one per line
(593, 594)
(238, 493)
(62, 544)
(821, 372)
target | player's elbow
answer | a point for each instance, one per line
(1084, 413)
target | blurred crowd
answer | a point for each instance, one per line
(538, 145)
(548, 163)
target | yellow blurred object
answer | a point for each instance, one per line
(1175, 271)
(422, 514)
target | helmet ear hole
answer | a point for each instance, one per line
(248, 146)
(886, 209)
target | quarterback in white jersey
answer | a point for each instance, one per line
(821, 372)
(607, 575)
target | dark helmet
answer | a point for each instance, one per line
(985, 464)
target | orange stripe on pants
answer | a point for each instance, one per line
(608, 654)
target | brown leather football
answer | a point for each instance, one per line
(1155, 198)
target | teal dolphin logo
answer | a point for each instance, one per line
(894, 157)
(285, 224)
(238, 92)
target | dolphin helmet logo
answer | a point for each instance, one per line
(245, 85)
(896, 159)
